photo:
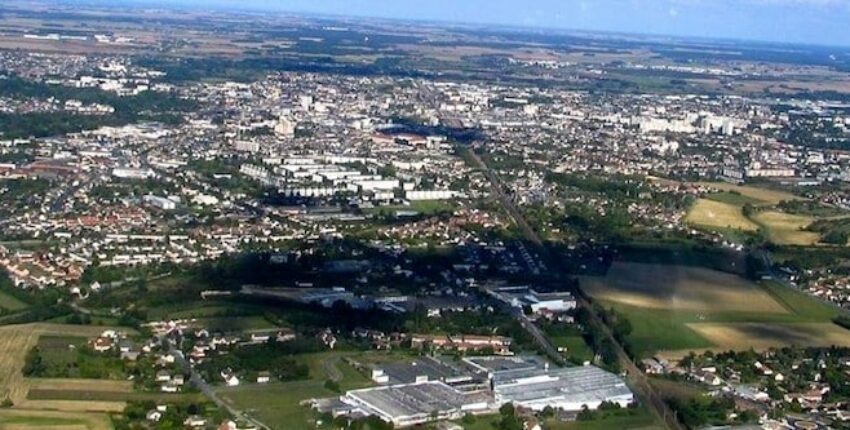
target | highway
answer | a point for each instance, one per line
(636, 378)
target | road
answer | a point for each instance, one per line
(636, 378)
(207, 390)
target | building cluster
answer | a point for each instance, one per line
(433, 389)
(808, 384)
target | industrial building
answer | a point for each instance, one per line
(432, 389)
(567, 388)
(417, 403)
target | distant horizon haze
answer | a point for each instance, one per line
(816, 22)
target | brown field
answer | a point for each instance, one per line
(742, 336)
(787, 229)
(765, 195)
(69, 384)
(710, 213)
(680, 288)
(17, 340)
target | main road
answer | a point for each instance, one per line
(637, 379)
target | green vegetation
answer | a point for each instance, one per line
(71, 357)
(571, 339)
(833, 232)
(611, 417)
(668, 329)
(278, 404)
(275, 357)
(147, 106)
(172, 418)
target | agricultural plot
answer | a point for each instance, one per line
(787, 229)
(17, 419)
(761, 195)
(17, 340)
(675, 310)
(741, 336)
(711, 213)
(680, 288)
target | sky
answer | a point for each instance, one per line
(822, 22)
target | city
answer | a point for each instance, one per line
(225, 219)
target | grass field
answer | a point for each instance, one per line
(637, 419)
(11, 303)
(278, 405)
(16, 419)
(713, 311)
(757, 194)
(739, 336)
(787, 229)
(711, 213)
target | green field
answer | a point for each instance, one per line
(114, 396)
(632, 419)
(278, 405)
(733, 198)
(69, 357)
(671, 320)
(570, 338)
(11, 303)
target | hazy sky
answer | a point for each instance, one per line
(808, 21)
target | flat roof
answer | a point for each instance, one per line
(586, 384)
(406, 372)
(400, 401)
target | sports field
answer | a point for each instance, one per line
(711, 213)
(674, 310)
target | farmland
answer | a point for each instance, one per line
(31, 412)
(762, 196)
(787, 229)
(676, 309)
(711, 213)
(680, 288)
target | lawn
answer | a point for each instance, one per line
(278, 405)
(570, 338)
(713, 214)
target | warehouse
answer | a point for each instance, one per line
(417, 403)
(568, 388)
